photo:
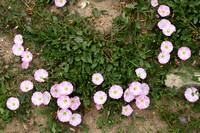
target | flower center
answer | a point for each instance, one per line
(134, 88)
(97, 79)
(142, 100)
(115, 92)
(101, 98)
(40, 99)
(163, 12)
(166, 47)
(72, 101)
(66, 88)
(126, 109)
(168, 31)
(139, 74)
(126, 93)
(56, 90)
(65, 101)
(41, 77)
(20, 49)
(61, 1)
(162, 56)
(20, 39)
(26, 88)
(13, 104)
(156, 2)
(184, 53)
(192, 94)
(73, 118)
(64, 113)
(27, 56)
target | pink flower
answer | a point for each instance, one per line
(163, 10)
(145, 89)
(72, 129)
(65, 88)
(116, 92)
(168, 29)
(184, 53)
(60, 3)
(191, 94)
(40, 75)
(6, 66)
(27, 56)
(64, 115)
(17, 49)
(75, 103)
(26, 86)
(127, 110)
(154, 3)
(99, 106)
(194, 62)
(135, 88)
(55, 91)
(25, 65)
(64, 102)
(162, 23)
(128, 97)
(141, 73)
(12, 103)
(163, 57)
(18, 39)
(75, 120)
(46, 98)
(166, 46)
(97, 78)
(100, 97)
(142, 102)
(37, 98)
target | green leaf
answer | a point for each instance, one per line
(66, 68)
(131, 128)
(138, 24)
(95, 13)
(141, 118)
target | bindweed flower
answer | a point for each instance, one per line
(97, 78)
(75, 119)
(128, 97)
(27, 56)
(6, 66)
(18, 39)
(46, 98)
(25, 65)
(55, 91)
(12, 103)
(194, 62)
(135, 88)
(191, 94)
(99, 106)
(162, 23)
(64, 115)
(127, 110)
(60, 3)
(154, 3)
(72, 129)
(184, 53)
(116, 92)
(26, 86)
(17, 49)
(142, 102)
(141, 73)
(168, 29)
(163, 57)
(40, 75)
(64, 102)
(145, 89)
(75, 103)
(166, 46)
(100, 97)
(65, 88)
(37, 98)
(163, 10)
